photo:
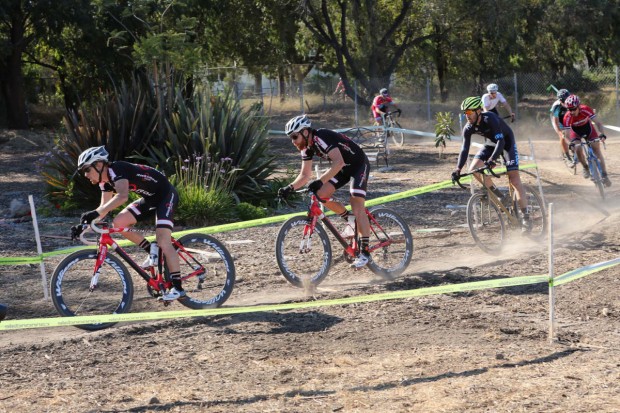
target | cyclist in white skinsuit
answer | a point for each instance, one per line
(493, 98)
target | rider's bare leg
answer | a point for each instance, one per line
(359, 210)
(596, 147)
(515, 181)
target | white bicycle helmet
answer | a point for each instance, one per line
(492, 88)
(296, 124)
(383, 91)
(92, 155)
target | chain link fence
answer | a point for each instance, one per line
(308, 89)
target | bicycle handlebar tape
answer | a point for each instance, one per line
(3, 310)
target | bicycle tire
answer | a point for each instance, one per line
(538, 213)
(390, 260)
(310, 267)
(486, 224)
(72, 295)
(216, 283)
(397, 137)
(596, 175)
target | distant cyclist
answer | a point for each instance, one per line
(380, 106)
(340, 90)
(558, 110)
(116, 180)
(348, 163)
(582, 121)
(492, 98)
(499, 141)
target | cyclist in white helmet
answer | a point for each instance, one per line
(159, 198)
(380, 105)
(492, 98)
(348, 164)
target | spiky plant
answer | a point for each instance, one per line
(443, 130)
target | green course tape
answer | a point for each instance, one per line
(582, 272)
(21, 260)
(393, 295)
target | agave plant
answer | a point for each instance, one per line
(216, 127)
(124, 120)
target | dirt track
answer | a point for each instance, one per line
(479, 351)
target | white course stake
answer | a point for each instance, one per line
(37, 237)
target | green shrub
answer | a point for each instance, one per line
(246, 212)
(200, 207)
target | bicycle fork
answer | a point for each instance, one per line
(305, 244)
(101, 255)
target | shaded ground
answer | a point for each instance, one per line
(479, 351)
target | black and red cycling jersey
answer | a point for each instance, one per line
(145, 181)
(324, 140)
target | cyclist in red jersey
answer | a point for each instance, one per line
(116, 180)
(582, 121)
(340, 89)
(380, 105)
(349, 163)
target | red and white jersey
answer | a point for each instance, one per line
(581, 124)
(380, 102)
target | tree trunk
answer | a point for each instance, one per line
(13, 80)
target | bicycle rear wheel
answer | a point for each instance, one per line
(538, 213)
(391, 243)
(397, 137)
(76, 292)
(486, 224)
(207, 271)
(303, 262)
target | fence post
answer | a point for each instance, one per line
(357, 124)
(516, 85)
(428, 99)
(617, 98)
(551, 272)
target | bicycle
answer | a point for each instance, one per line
(397, 136)
(594, 164)
(374, 145)
(571, 162)
(303, 261)
(95, 282)
(490, 218)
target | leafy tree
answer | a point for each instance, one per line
(368, 38)
(24, 25)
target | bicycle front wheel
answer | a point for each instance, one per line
(596, 175)
(303, 261)
(486, 224)
(397, 137)
(391, 243)
(76, 291)
(207, 271)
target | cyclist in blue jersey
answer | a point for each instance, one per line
(116, 180)
(348, 164)
(558, 110)
(499, 141)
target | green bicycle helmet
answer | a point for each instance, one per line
(472, 102)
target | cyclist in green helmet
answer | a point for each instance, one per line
(499, 141)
